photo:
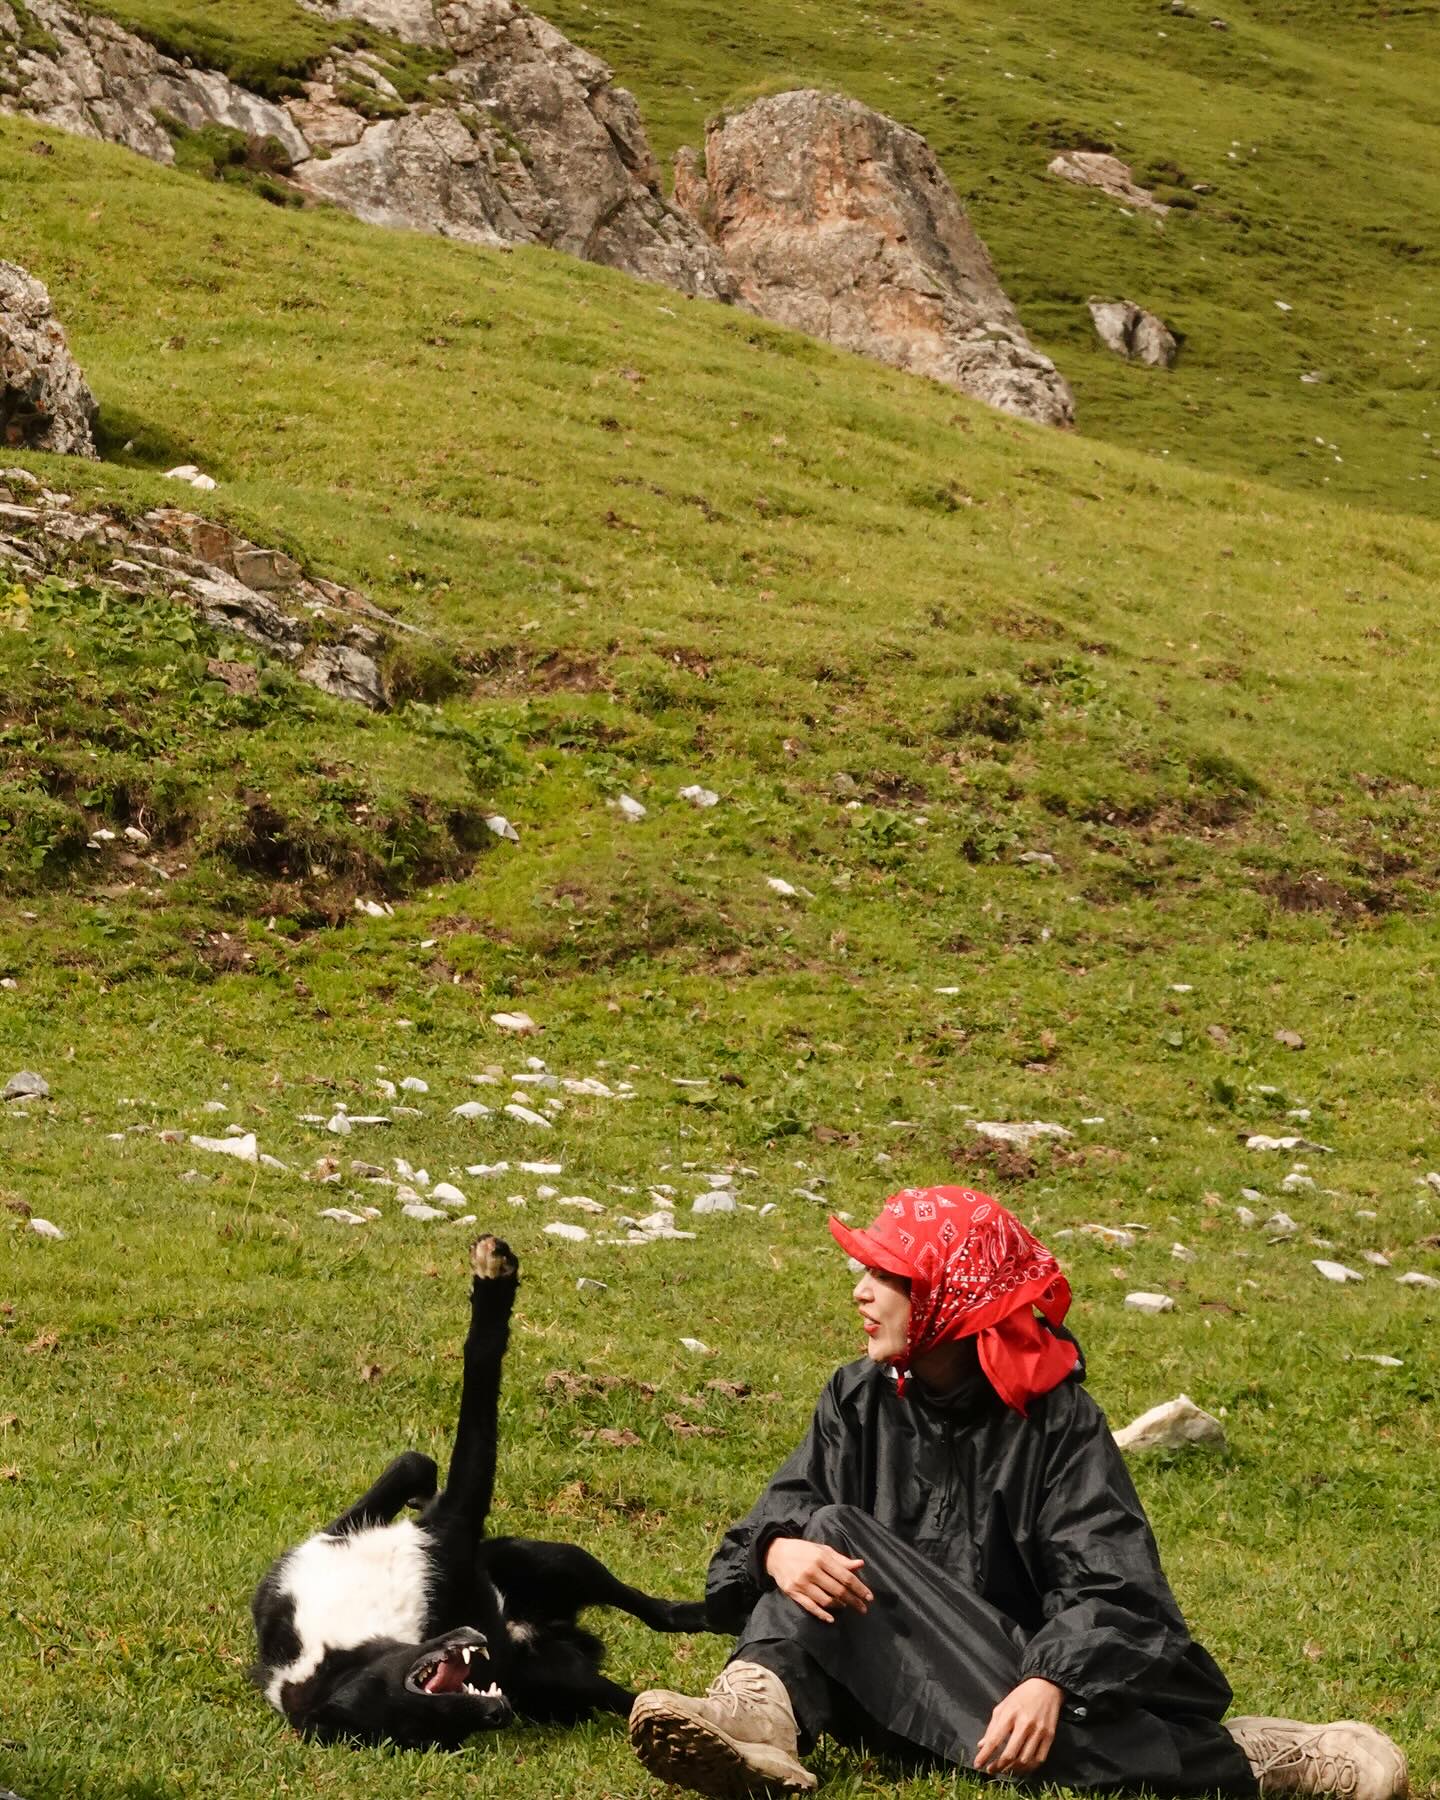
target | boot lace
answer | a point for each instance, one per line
(1285, 1761)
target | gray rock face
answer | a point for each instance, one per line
(1133, 333)
(534, 144)
(1094, 168)
(839, 222)
(332, 637)
(101, 81)
(528, 141)
(44, 402)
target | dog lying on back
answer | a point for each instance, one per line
(421, 1632)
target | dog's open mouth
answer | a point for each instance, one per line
(450, 1673)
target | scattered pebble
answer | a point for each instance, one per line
(540, 1168)
(1182, 1254)
(1111, 1236)
(1261, 1142)
(1384, 1362)
(518, 1022)
(374, 909)
(694, 1344)
(191, 475)
(778, 885)
(718, 1201)
(339, 1123)
(700, 796)
(417, 1209)
(502, 827)
(1280, 1224)
(447, 1194)
(630, 808)
(1150, 1303)
(27, 1085)
(244, 1148)
(586, 1286)
(470, 1109)
(527, 1117)
(342, 1215)
(412, 1084)
(1376, 1259)
(1413, 1278)
(1171, 1426)
(573, 1234)
(43, 1228)
(1334, 1271)
(1021, 1133)
(1246, 1217)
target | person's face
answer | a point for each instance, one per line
(884, 1303)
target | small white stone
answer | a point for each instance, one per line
(573, 1234)
(1384, 1362)
(502, 827)
(1334, 1271)
(1413, 1278)
(1375, 1259)
(43, 1228)
(519, 1022)
(470, 1109)
(342, 1215)
(527, 1117)
(374, 909)
(586, 1286)
(1150, 1303)
(778, 885)
(417, 1209)
(541, 1168)
(1280, 1224)
(412, 1084)
(485, 1170)
(339, 1123)
(719, 1200)
(1246, 1217)
(447, 1194)
(244, 1148)
(701, 797)
(1171, 1426)
(695, 1345)
(630, 808)
(581, 1203)
(214, 1106)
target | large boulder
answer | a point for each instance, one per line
(44, 402)
(1133, 333)
(839, 222)
(533, 143)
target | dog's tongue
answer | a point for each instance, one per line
(449, 1678)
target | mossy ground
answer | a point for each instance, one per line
(671, 545)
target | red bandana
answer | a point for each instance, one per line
(974, 1271)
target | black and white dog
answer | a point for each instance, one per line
(422, 1632)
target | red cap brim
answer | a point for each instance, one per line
(868, 1250)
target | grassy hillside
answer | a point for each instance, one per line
(1313, 128)
(908, 642)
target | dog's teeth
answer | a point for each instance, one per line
(466, 1654)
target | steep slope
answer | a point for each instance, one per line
(1103, 793)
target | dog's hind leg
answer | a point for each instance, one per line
(471, 1481)
(556, 1581)
(410, 1480)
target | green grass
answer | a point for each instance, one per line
(671, 544)
(1313, 127)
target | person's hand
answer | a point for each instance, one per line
(1021, 1729)
(816, 1577)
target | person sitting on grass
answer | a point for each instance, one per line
(955, 1565)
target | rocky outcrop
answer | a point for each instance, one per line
(839, 222)
(332, 637)
(1133, 333)
(91, 76)
(44, 402)
(526, 141)
(1096, 169)
(534, 144)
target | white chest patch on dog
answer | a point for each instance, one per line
(368, 1584)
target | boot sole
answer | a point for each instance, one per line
(701, 1757)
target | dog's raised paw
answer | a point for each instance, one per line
(491, 1259)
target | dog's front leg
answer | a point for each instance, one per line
(409, 1480)
(471, 1482)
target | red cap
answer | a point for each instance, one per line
(878, 1246)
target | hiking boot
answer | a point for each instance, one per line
(740, 1739)
(1345, 1758)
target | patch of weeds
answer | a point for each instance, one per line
(216, 153)
(988, 706)
(418, 669)
(34, 39)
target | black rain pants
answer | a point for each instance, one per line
(923, 1669)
